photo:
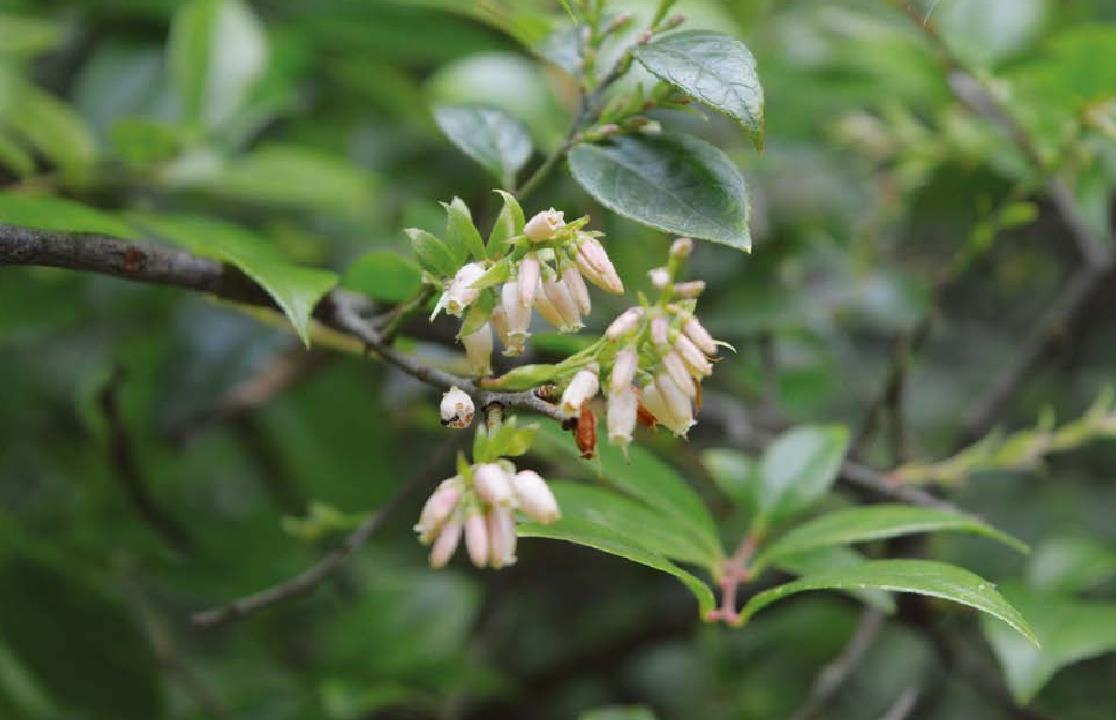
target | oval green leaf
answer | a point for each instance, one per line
(798, 469)
(493, 138)
(924, 577)
(714, 68)
(675, 183)
(383, 275)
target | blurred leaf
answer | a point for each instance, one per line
(509, 440)
(295, 289)
(322, 520)
(735, 473)
(675, 183)
(985, 32)
(14, 156)
(492, 138)
(48, 213)
(604, 539)
(48, 124)
(383, 275)
(142, 143)
(24, 36)
(217, 51)
(79, 643)
(1068, 631)
(798, 469)
(876, 522)
(924, 577)
(619, 712)
(1070, 564)
(433, 253)
(714, 68)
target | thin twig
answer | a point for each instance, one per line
(734, 573)
(128, 473)
(310, 578)
(903, 706)
(833, 675)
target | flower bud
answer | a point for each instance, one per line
(438, 508)
(544, 225)
(528, 277)
(478, 346)
(445, 544)
(698, 364)
(557, 294)
(681, 248)
(492, 484)
(577, 288)
(691, 289)
(679, 408)
(503, 536)
(478, 540)
(660, 277)
(456, 409)
(699, 335)
(595, 265)
(461, 293)
(581, 389)
(622, 413)
(515, 319)
(676, 369)
(624, 324)
(547, 310)
(625, 365)
(659, 331)
(535, 497)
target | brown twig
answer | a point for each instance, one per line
(128, 473)
(313, 576)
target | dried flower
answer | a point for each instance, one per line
(456, 408)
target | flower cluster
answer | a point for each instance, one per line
(544, 270)
(479, 505)
(658, 354)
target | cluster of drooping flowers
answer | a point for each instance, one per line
(479, 504)
(657, 354)
(543, 268)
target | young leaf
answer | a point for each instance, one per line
(478, 314)
(525, 377)
(924, 577)
(798, 469)
(462, 235)
(875, 522)
(582, 532)
(676, 183)
(714, 68)
(643, 525)
(383, 275)
(510, 222)
(1069, 630)
(217, 52)
(295, 289)
(491, 137)
(735, 473)
(433, 254)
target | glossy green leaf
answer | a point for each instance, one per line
(876, 522)
(295, 289)
(1069, 630)
(830, 558)
(433, 253)
(675, 183)
(510, 222)
(924, 577)
(383, 275)
(217, 52)
(462, 235)
(491, 137)
(638, 522)
(798, 469)
(478, 314)
(716, 69)
(592, 535)
(48, 213)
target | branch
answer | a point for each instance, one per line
(310, 578)
(833, 675)
(146, 262)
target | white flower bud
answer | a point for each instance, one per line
(622, 413)
(653, 402)
(577, 288)
(492, 483)
(595, 265)
(460, 293)
(699, 335)
(624, 324)
(544, 225)
(528, 277)
(681, 248)
(557, 294)
(535, 497)
(547, 310)
(676, 369)
(445, 544)
(677, 403)
(625, 365)
(581, 389)
(477, 536)
(478, 346)
(690, 289)
(438, 508)
(456, 409)
(659, 331)
(503, 536)
(515, 319)
(660, 277)
(698, 364)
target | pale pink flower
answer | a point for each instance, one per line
(681, 248)
(676, 369)
(528, 277)
(581, 389)
(624, 324)
(622, 413)
(503, 536)
(544, 225)
(478, 346)
(690, 289)
(625, 365)
(595, 265)
(478, 540)
(698, 364)
(446, 543)
(577, 288)
(492, 483)
(543, 305)
(677, 404)
(699, 335)
(438, 508)
(659, 330)
(515, 317)
(660, 277)
(461, 293)
(561, 299)
(535, 497)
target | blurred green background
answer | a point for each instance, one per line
(878, 195)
